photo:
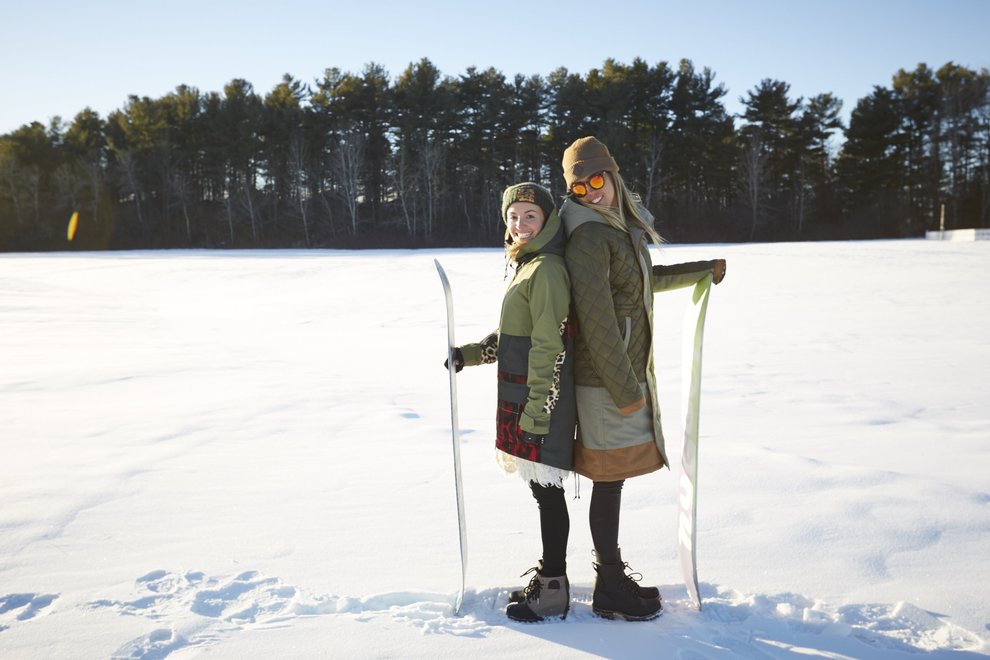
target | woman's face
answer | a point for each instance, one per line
(525, 220)
(604, 196)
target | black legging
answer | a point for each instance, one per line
(555, 525)
(603, 516)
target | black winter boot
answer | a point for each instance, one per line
(616, 594)
(642, 592)
(544, 597)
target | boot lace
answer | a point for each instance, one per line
(632, 578)
(532, 590)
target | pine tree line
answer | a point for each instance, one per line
(362, 160)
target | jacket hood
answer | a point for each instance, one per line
(574, 214)
(550, 240)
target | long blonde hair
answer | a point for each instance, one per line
(626, 210)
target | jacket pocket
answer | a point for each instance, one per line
(513, 391)
(626, 330)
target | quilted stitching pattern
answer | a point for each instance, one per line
(607, 288)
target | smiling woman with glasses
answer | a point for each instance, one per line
(613, 281)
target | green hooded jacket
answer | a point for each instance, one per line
(534, 350)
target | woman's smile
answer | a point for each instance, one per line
(525, 220)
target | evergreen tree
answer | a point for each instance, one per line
(422, 124)
(819, 120)
(484, 167)
(963, 107)
(700, 156)
(86, 151)
(918, 143)
(773, 117)
(283, 145)
(869, 166)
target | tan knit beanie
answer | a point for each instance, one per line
(530, 192)
(585, 157)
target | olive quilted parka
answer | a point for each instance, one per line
(612, 285)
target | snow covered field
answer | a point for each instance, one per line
(247, 454)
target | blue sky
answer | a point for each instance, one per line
(57, 58)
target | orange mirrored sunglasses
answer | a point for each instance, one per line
(594, 182)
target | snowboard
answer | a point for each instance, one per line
(455, 433)
(687, 516)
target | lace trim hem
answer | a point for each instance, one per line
(545, 475)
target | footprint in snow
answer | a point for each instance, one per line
(157, 644)
(243, 599)
(162, 593)
(21, 607)
(192, 609)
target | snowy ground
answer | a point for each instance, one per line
(247, 454)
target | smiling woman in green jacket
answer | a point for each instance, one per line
(612, 285)
(536, 411)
